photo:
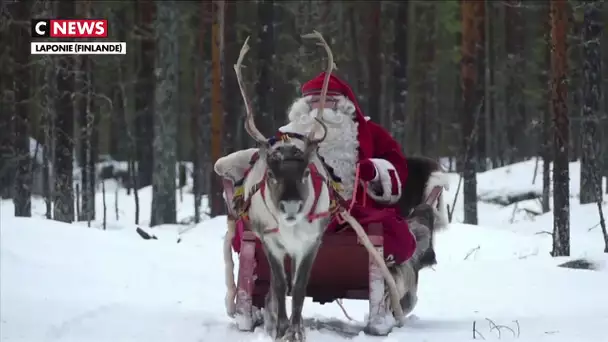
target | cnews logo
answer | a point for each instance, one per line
(69, 28)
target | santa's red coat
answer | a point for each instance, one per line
(399, 242)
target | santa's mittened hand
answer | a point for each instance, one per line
(367, 171)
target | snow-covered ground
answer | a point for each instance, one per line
(67, 282)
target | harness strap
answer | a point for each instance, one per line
(434, 195)
(317, 183)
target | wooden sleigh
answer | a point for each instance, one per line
(343, 268)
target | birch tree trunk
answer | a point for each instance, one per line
(165, 121)
(561, 180)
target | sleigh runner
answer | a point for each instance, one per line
(292, 204)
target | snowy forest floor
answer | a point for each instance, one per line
(66, 282)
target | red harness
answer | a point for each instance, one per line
(317, 184)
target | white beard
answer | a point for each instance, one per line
(340, 149)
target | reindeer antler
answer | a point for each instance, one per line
(330, 66)
(250, 127)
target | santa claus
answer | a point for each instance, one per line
(364, 158)
(354, 143)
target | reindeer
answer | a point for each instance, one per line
(289, 209)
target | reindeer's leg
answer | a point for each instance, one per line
(421, 225)
(408, 302)
(275, 318)
(302, 267)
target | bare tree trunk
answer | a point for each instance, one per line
(119, 143)
(591, 177)
(230, 53)
(7, 106)
(264, 86)
(604, 46)
(206, 42)
(216, 199)
(21, 68)
(358, 69)
(488, 90)
(126, 75)
(88, 139)
(63, 202)
(500, 122)
(479, 140)
(472, 34)
(561, 190)
(49, 93)
(574, 56)
(545, 109)
(144, 94)
(198, 112)
(48, 117)
(424, 114)
(400, 64)
(516, 117)
(374, 64)
(165, 122)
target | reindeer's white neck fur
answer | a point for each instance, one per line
(340, 148)
(293, 239)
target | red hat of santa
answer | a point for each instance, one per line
(336, 87)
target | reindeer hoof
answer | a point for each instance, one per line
(281, 330)
(294, 334)
(270, 321)
(275, 328)
(380, 326)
